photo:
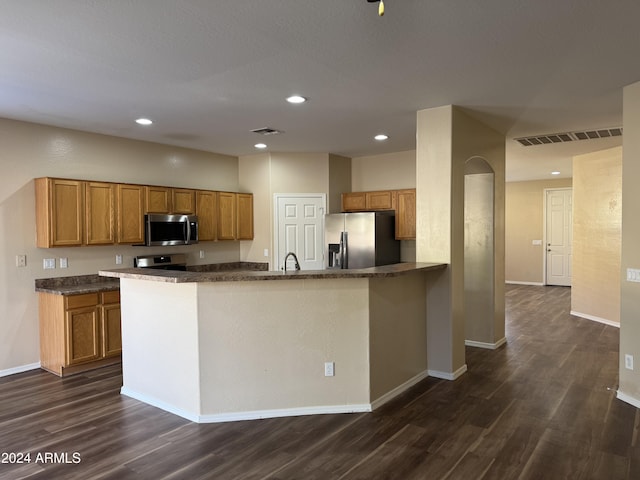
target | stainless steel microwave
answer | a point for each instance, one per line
(170, 229)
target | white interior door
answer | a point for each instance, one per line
(300, 229)
(559, 229)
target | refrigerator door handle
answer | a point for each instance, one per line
(344, 250)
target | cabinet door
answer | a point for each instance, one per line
(383, 200)
(406, 214)
(245, 216)
(184, 201)
(100, 213)
(82, 334)
(354, 202)
(59, 212)
(226, 216)
(207, 215)
(158, 199)
(130, 225)
(111, 330)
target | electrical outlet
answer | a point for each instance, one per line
(64, 262)
(49, 263)
(266, 252)
(118, 259)
(628, 361)
(201, 253)
(21, 260)
(329, 369)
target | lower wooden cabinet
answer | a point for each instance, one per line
(79, 332)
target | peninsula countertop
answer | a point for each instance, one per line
(173, 276)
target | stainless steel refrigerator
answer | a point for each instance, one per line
(360, 240)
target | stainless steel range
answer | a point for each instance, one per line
(172, 261)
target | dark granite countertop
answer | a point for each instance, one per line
(76, 285)
(172, 276)
(80, 284)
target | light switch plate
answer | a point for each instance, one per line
(49, 263)
(64, 262)
(633, 275)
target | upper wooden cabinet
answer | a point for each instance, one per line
(100, 213)
(130, 208)
(158, 199)
(383, 200)
(207, 213)
(184, 201)
(245, 216)
(402, 201)
(227, 216)
(406, 214)
(354, 201)
(59, 212)
(366, 201)
(79, 212)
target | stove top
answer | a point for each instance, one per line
(172, 261)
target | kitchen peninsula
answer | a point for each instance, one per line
(224, 346)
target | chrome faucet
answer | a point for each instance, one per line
(294, 257)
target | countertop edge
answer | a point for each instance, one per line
(169, 276)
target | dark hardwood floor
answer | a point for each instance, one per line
(541, 407)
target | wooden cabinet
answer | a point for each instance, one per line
(110, 328)
(402, 201)
(406, 214)
(227, 216)
(184, 201)
(79, 332)
(245, 216)
(80, 212)
(207, 215)
(382, 200)
(100, 213)
(368, 201)
(59, 212)
(158, 199)
(354, 201)
(130, 208)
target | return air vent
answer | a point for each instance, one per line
(569, 136)
(267, 131)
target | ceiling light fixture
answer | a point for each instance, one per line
(555, 172)
(381, 137)
(260, 145)
(380, 7)
(296, 99)
(143, 121)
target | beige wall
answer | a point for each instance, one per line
(597, 224)
(630, 292)
(524, 222)
(374, 172)
(29, 151)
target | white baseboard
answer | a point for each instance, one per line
(20, 369)
(247, 415)
(378, 402)
(595, 319)
(628, 399)
(513, 282)
(488, 346)
(447, 375)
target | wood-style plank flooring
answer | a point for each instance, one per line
(541, 407)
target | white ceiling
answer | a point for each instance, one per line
(209, 71)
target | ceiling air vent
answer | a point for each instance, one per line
(569, 136)
(267, 131)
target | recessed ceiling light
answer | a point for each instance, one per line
(381, 137)
(555, 173)
(143, 121)
(260, 145)
(296, 99)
